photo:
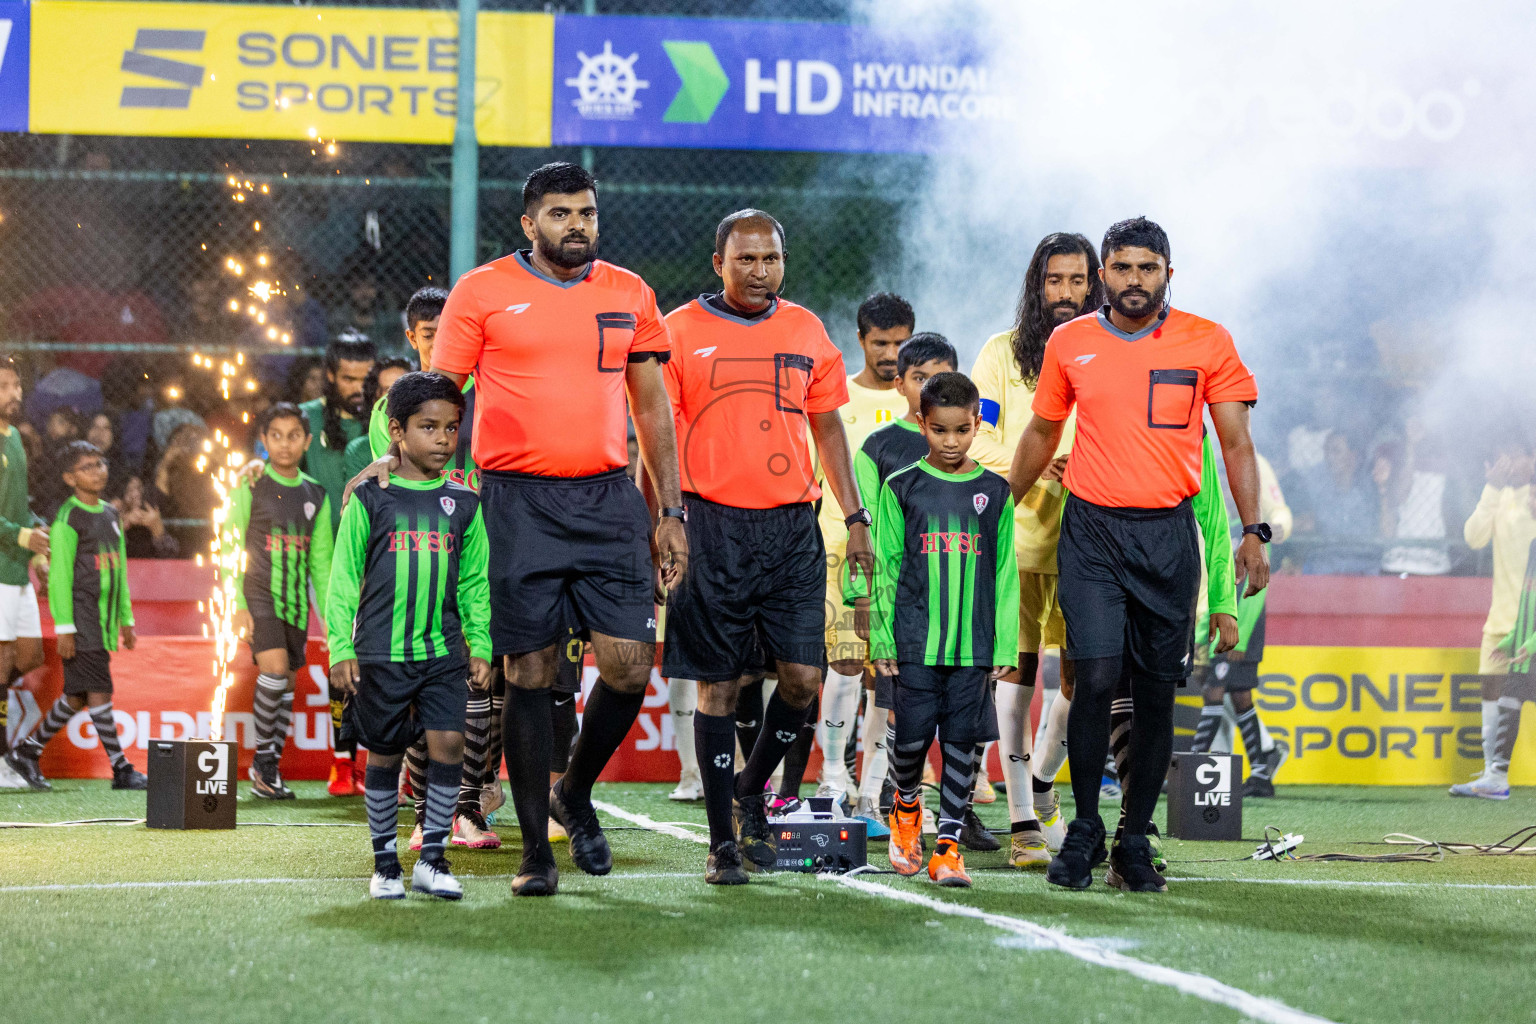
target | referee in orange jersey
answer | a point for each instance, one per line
(561, 345)
(1140, 374)
(749, 373)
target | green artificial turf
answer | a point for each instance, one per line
(651, 942)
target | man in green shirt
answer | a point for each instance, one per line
(21, 634)
(336, 418)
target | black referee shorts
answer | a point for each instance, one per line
(1128, 585)
(567, 551)
(397, 701)
(755, 588)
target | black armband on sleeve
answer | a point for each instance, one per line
(640, 357)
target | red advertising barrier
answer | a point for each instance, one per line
(165, 686)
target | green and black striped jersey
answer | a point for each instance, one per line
(1525, 620)
(88, 575)
(322, 462)
(408, 576)
(946, 575)
(284, 526)
(888, 449)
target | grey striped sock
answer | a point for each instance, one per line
(1205, 731)
(1120, 735)
(907, 767)
(442, 801)
(58, 717)
(959, 775)
(264, 708)
(284, 721)
(1248, 725)
(416, 771)
(106, 731)
(477, 729)
(1508, 732)
(382, 796)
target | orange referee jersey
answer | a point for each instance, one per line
(549, 358)
(741, 392)
(1140, 400)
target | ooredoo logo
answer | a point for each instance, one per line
(182, 76)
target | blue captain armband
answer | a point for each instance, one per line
(989, 412)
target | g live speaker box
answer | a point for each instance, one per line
(1204, 799)
(191, 784)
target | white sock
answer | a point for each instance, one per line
(876, 761)
(1053, 747)
(683, 701)
(839, 707)
(981, 766)
(1490, 732)
(1047, 701)
(1013, 748)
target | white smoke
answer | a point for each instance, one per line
(1343, 184)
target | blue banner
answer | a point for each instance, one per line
(718, 84)
(15, 65)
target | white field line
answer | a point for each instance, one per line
(1198, 985)
(666, 829)
(206, 884)
(1348, 883)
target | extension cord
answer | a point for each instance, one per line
(1278, 848)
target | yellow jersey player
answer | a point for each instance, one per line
(884, 322)
(1061, 284)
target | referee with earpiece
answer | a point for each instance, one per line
(1140, 375)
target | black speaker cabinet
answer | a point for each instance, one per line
(1205, 796)
(191, 784)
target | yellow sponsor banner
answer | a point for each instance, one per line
(1396, 716)
(268, 72)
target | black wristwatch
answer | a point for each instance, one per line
(861, 516)
(1259, 530)
(674, 513)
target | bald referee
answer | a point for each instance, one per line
(1140, 375)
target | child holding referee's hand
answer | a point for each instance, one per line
(408, 618)
(944, 616)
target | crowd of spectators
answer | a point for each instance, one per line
(153, 418)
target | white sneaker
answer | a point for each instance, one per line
(930, 823)
(492, 797)
(837, 793)
(8, 777)
(387, 887)
(689, 789)
(1489, 786)
(435, 879)
(1051, 823)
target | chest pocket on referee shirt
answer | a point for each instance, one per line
(791, 381)
(615, 335)
(1171, 399)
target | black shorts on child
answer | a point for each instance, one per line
(956, 699)
(268, 634)
(88, 672)
(397, 701)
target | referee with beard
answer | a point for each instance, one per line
(1140, 375)
(559, 343)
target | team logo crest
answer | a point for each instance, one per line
(309, 510)
(980, 501)
(448, 505)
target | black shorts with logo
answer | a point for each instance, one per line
(396, 702)
(754, 589)
(956, 699)
(566, 551)
(1129, 581)
(270, 634)
(88, 672)
(1242, 674)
